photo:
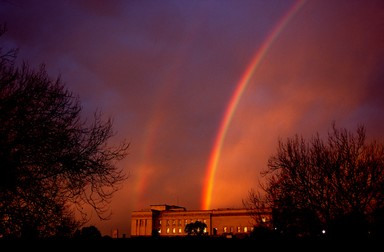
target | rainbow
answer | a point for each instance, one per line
(234, 100)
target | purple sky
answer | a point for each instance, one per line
(165, 72)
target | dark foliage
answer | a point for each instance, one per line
(87, 233)
(197, 228)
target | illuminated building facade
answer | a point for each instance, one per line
(170, 220)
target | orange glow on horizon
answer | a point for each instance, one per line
(214, 158)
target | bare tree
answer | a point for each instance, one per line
(258, 208)
(317, 183)
(52, 162)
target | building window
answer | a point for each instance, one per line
(239, 229)
(174, 230)
(174, 222)
(231, 229)
(185, 222)
(179, 221)
(168, 230)
(205, 221)
(245, 229)
(159, 222)
(180, 230)
(168, 222)
(225, 229)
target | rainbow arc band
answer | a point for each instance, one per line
(214, 157)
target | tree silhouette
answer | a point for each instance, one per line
(314, 184)
(52, 162)
(88, 233)
(197, 228)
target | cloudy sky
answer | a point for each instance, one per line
(203, 89)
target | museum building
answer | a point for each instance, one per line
(170, 220)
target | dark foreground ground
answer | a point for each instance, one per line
(193, 244)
